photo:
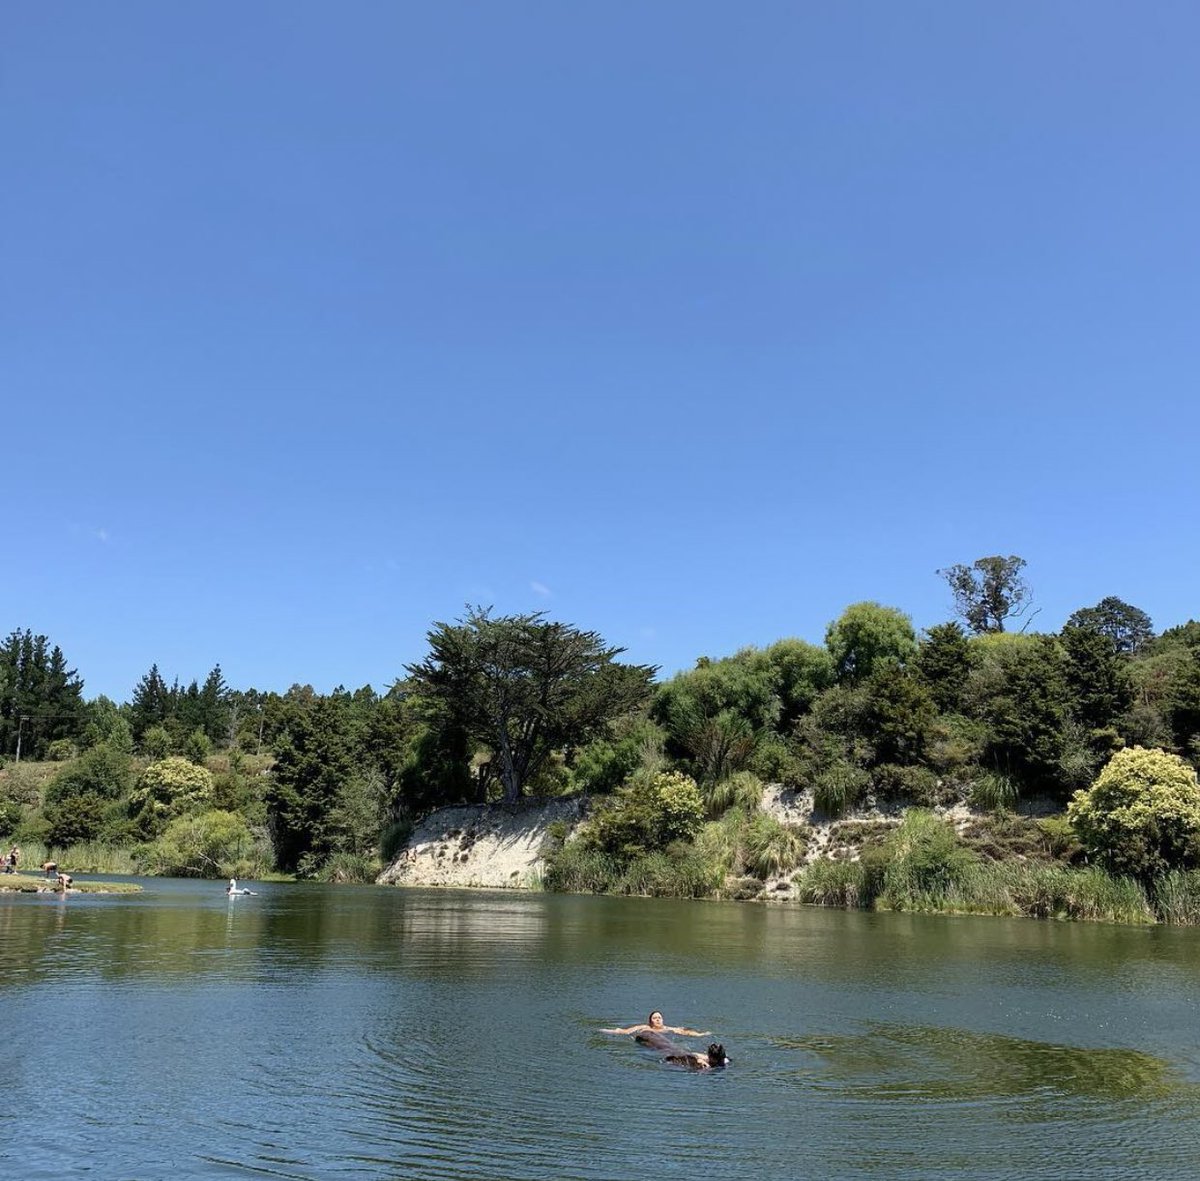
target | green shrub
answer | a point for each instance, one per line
(1002, 836)
(602, 766)
(579, 869)
(772, 848)
(171, 787)
(75, 820)
(61, 750)
(743, 790)
(347, 868)
(394, 837)
(156, 743)
(648, 813)
(680, 871)
(205, 845)
(838, 788)
(916, 784)
(1059, 838)
(10, 817)
(1142, 815)
(993, 792)
(102, 772)
(198, 748)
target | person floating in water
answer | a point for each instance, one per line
(714, 1059)
(654, 1024)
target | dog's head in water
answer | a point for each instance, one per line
(716, 1055)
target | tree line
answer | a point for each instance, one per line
(502, 707)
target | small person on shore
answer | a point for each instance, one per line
(63, 882)
(10, 862)
(654, 1024)
(50, 868)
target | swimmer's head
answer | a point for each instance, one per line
(655, 1020)
(716, 1055)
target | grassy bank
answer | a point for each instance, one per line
(27, 883)
(1002, 867)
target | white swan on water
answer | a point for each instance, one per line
(232, 889)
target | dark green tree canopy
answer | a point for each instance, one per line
(1127, 628)
(36, 685)
(989, 592)
(525, 686)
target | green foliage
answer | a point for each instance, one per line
(580, 868)
(198, 747)
(1059, 838)
(839, 787)
(40, 697)
(989, 592)
(526, 687)
(867, 638)
(1126, 628)
(1003, 836)
(994, 792)
(61, 750)
(169, 788)
(344, 868)
(1097, 678)
(647, 814)
(156, 743)
(75, 819)
(772, 848)
(211, 844)
(1177, 898)
(802, 672)
(844, 884)
(678, 872)
(394, 837)
(312, 764)
(925, 863)
(944, 662)
(1142, 815)
(102, 772)
(912, 784)
(1019, 692)
(898, 714)
(606, 763)
(743, 790)
(358, 815)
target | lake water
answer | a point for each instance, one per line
(319, 1032)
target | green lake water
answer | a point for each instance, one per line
(318, 1032)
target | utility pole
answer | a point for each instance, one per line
(20, 725)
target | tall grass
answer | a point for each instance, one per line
(86, 857)
(743, 790)
(922, 867)
(1177, 898)
(993, 792)
(825, 882)
(771, 848)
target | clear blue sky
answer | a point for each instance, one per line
(691, 323)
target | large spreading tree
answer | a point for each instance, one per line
(525, 687)
(989, 592)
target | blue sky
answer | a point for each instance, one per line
(691, 323)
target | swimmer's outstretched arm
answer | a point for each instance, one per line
(687, 1032)
(628, 1029)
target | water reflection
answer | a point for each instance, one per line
(312, 1032)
